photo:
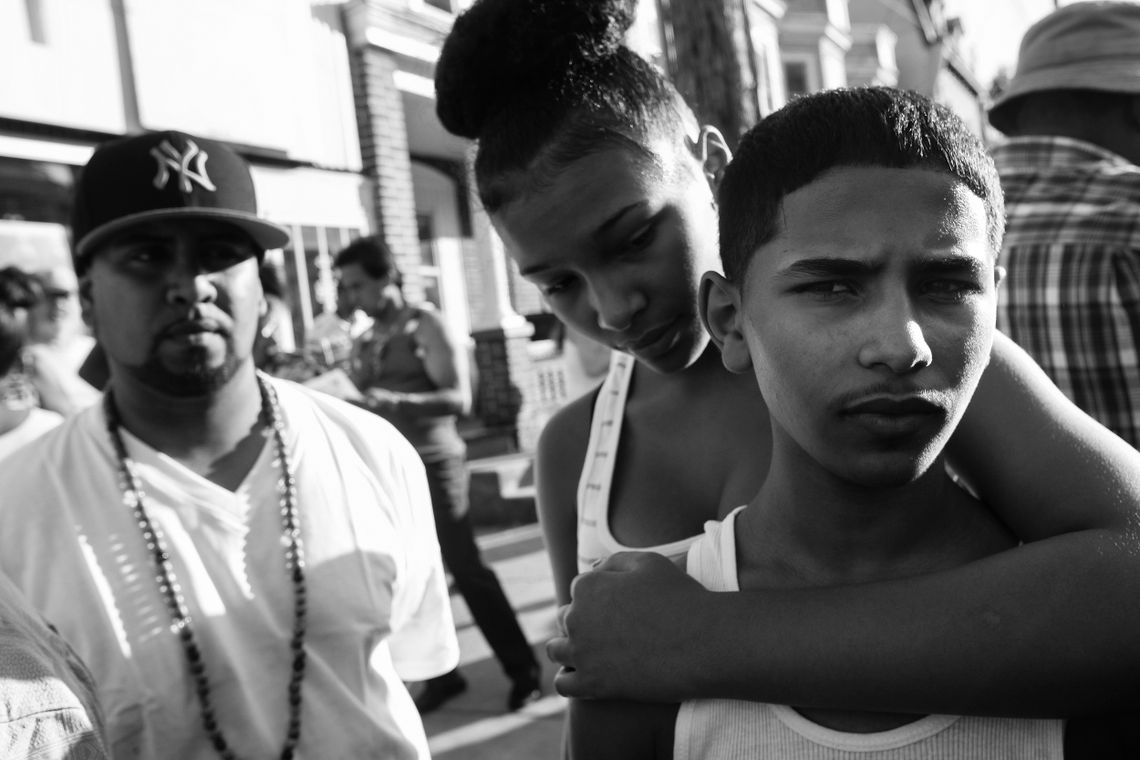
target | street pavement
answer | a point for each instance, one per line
(475, 725)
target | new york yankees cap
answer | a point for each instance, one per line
(164, 175)
(1083, 46)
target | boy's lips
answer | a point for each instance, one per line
(894, 406)
(893, 415)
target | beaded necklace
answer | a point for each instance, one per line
(172, 592)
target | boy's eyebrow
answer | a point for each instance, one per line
(826, 266)
(953, 263)
(832, 267)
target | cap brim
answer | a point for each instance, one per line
(265, 234)
(1101, 76)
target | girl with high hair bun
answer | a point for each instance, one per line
(600, 182)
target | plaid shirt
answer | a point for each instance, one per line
(1072, 250)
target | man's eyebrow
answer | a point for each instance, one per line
(139, 236)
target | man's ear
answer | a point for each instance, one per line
(85, 303)
(721, 314)
(714, 154)
(999, 275)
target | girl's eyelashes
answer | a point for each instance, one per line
(643, 237)
(555, 287)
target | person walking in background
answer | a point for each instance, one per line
(275, 333)
(1071, 175)
(250, 568)
(333, 333)
(412, 372)
(59, 343)
(21, 419)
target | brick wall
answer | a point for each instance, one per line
(506, 380)
(384, 150)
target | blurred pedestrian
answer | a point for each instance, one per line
(331, 337)
(249, 567)
(59, 343)
(413, 372)
(21, 418)
(1071, 175)
(275, 329)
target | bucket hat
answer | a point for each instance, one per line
(1083, 46)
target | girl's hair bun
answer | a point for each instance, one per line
(500, 51)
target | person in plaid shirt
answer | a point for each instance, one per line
(1072, 187)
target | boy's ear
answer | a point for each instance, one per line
(721, 314)
(714, 154)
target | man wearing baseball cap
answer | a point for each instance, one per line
(249, 568)
(1071, 176)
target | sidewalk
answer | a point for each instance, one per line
(475, 725)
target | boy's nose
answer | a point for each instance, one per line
(896, 341)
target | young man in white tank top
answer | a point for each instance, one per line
(859, 235)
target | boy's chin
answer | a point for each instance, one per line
(896, 470)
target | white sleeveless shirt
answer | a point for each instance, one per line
(708, 729)
(595, 542)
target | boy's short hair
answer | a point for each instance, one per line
(869, 126)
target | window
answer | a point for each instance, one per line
(429, 260)
(310, 285)
(796, 78)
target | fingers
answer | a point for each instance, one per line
(560, 619)
(622, 561)
(567, 682)
(558, 648)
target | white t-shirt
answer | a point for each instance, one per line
(378, 608)
(38, 422)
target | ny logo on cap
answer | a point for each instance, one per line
(171, 161)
